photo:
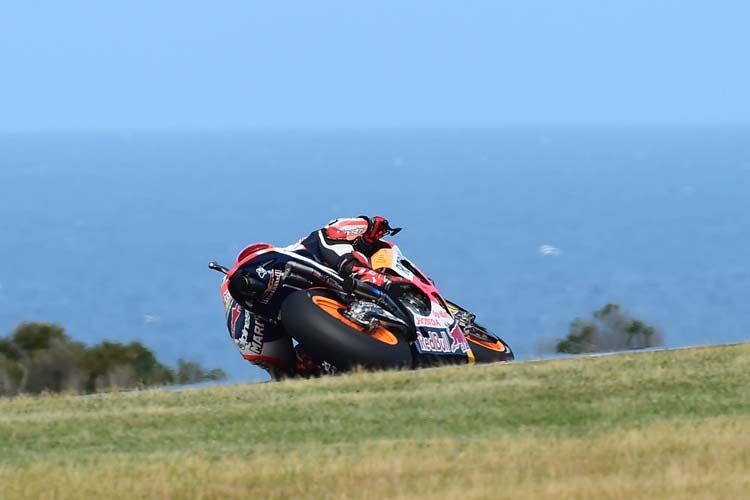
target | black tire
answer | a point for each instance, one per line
(485, 352)
(487, 347)
(326, 338)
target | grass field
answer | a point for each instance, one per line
(673, 424)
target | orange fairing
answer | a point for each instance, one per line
(334, 308)
(495, 346)
(382, 259)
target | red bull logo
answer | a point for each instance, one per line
(459, 340)
(441, 342)
(434, 341)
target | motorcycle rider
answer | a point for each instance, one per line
(345, 245)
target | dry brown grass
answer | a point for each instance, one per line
(708, 459)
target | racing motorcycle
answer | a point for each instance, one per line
(344, 322)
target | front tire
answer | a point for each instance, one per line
(487, 348)
(315, 319)
(486, 351)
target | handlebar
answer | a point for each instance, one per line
(218, 267)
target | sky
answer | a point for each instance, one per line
(197, 65)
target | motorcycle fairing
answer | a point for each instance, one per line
(391, 258)
(269, 261)
(438, 333)
(441, 341)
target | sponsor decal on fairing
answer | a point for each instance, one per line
(243, 324)
(273, 284)
(439, 341)
(438, 317)
(459, 340)
(234, 322)
(256, 344)
(434, 341)
(425, 321)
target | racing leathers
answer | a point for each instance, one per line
(344, 245)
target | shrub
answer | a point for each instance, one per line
(103, 360)
(189, 372)
(10, 376)
(13, 372)
(57, 368)
(611, 329)
(39, 357)
(31, 337)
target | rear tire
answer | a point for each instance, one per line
(313, 317)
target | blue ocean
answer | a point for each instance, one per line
(109, 234)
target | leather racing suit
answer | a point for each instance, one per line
(344, 245)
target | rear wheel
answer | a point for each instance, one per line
(315, 318)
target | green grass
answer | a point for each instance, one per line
(655, 425)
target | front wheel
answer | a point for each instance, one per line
(315, 318)
(488, 349)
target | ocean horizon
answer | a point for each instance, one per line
(108, 234)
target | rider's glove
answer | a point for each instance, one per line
(355, 266)
(376, 229)
(369, 276)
